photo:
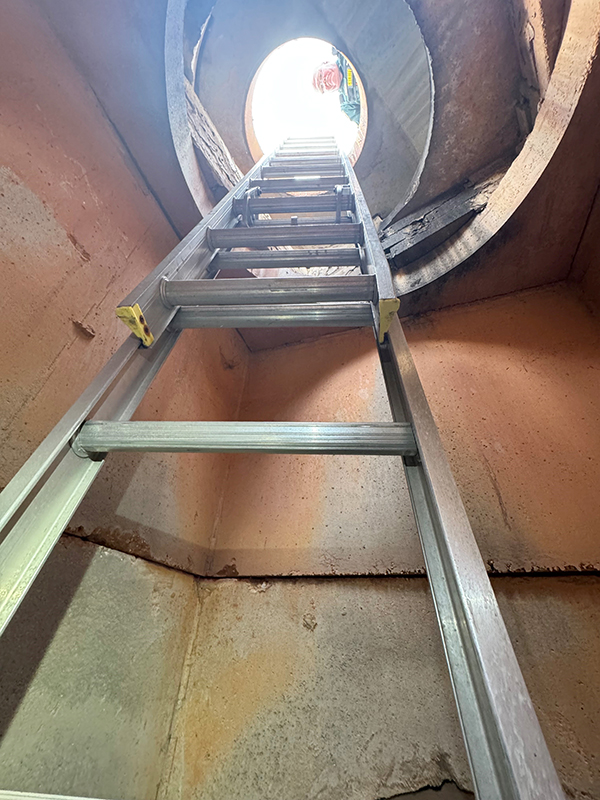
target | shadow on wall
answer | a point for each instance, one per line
(31, 630)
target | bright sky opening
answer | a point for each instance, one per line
(286, 104)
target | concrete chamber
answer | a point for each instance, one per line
(259, 626)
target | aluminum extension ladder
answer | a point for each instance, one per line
(507, 753)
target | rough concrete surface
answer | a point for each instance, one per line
(90, 667)
(119, 47)
(78, 231)
(586, 264)
(476, 76)
(311, 514)
(554, 625)
(531, 229)
(338, 689)
(163, 506)
(306, 689)
(123, 679)
(514, 385)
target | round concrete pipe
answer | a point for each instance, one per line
(381, 39)
(542, 192)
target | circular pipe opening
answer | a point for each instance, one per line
(282, 100)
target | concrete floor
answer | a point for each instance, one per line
(124, 679)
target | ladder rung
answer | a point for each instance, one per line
(306, 160)
(297, 152)
(358, 438)
(275, 315)
(330, 219)
(305, 169)
(272, 235)
(207, 292)
(294, 205)
(287, 259)
(307, 139)
(304, 184)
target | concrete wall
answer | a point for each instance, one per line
(123, 679)
(514, 384)
(586, 265)
(78, 230)
(316, 514)
(119, 47)
(91, 666)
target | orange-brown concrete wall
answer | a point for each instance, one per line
(78, 230)
(514, 384)
(311, 514)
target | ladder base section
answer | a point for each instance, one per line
(355, 438)
(301, 315)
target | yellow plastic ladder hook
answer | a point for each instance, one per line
(134, 319)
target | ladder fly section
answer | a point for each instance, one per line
(277, 205)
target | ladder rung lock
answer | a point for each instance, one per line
(276, 315)
(354, 438)
(207, 292)
(267, 236)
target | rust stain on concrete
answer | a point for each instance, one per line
(228, 705)
(514, 384)
(237, 669)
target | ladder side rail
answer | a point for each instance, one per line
(8, 794)
(375, 263)
(505, 745)
(39, 502)
(190, 259)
